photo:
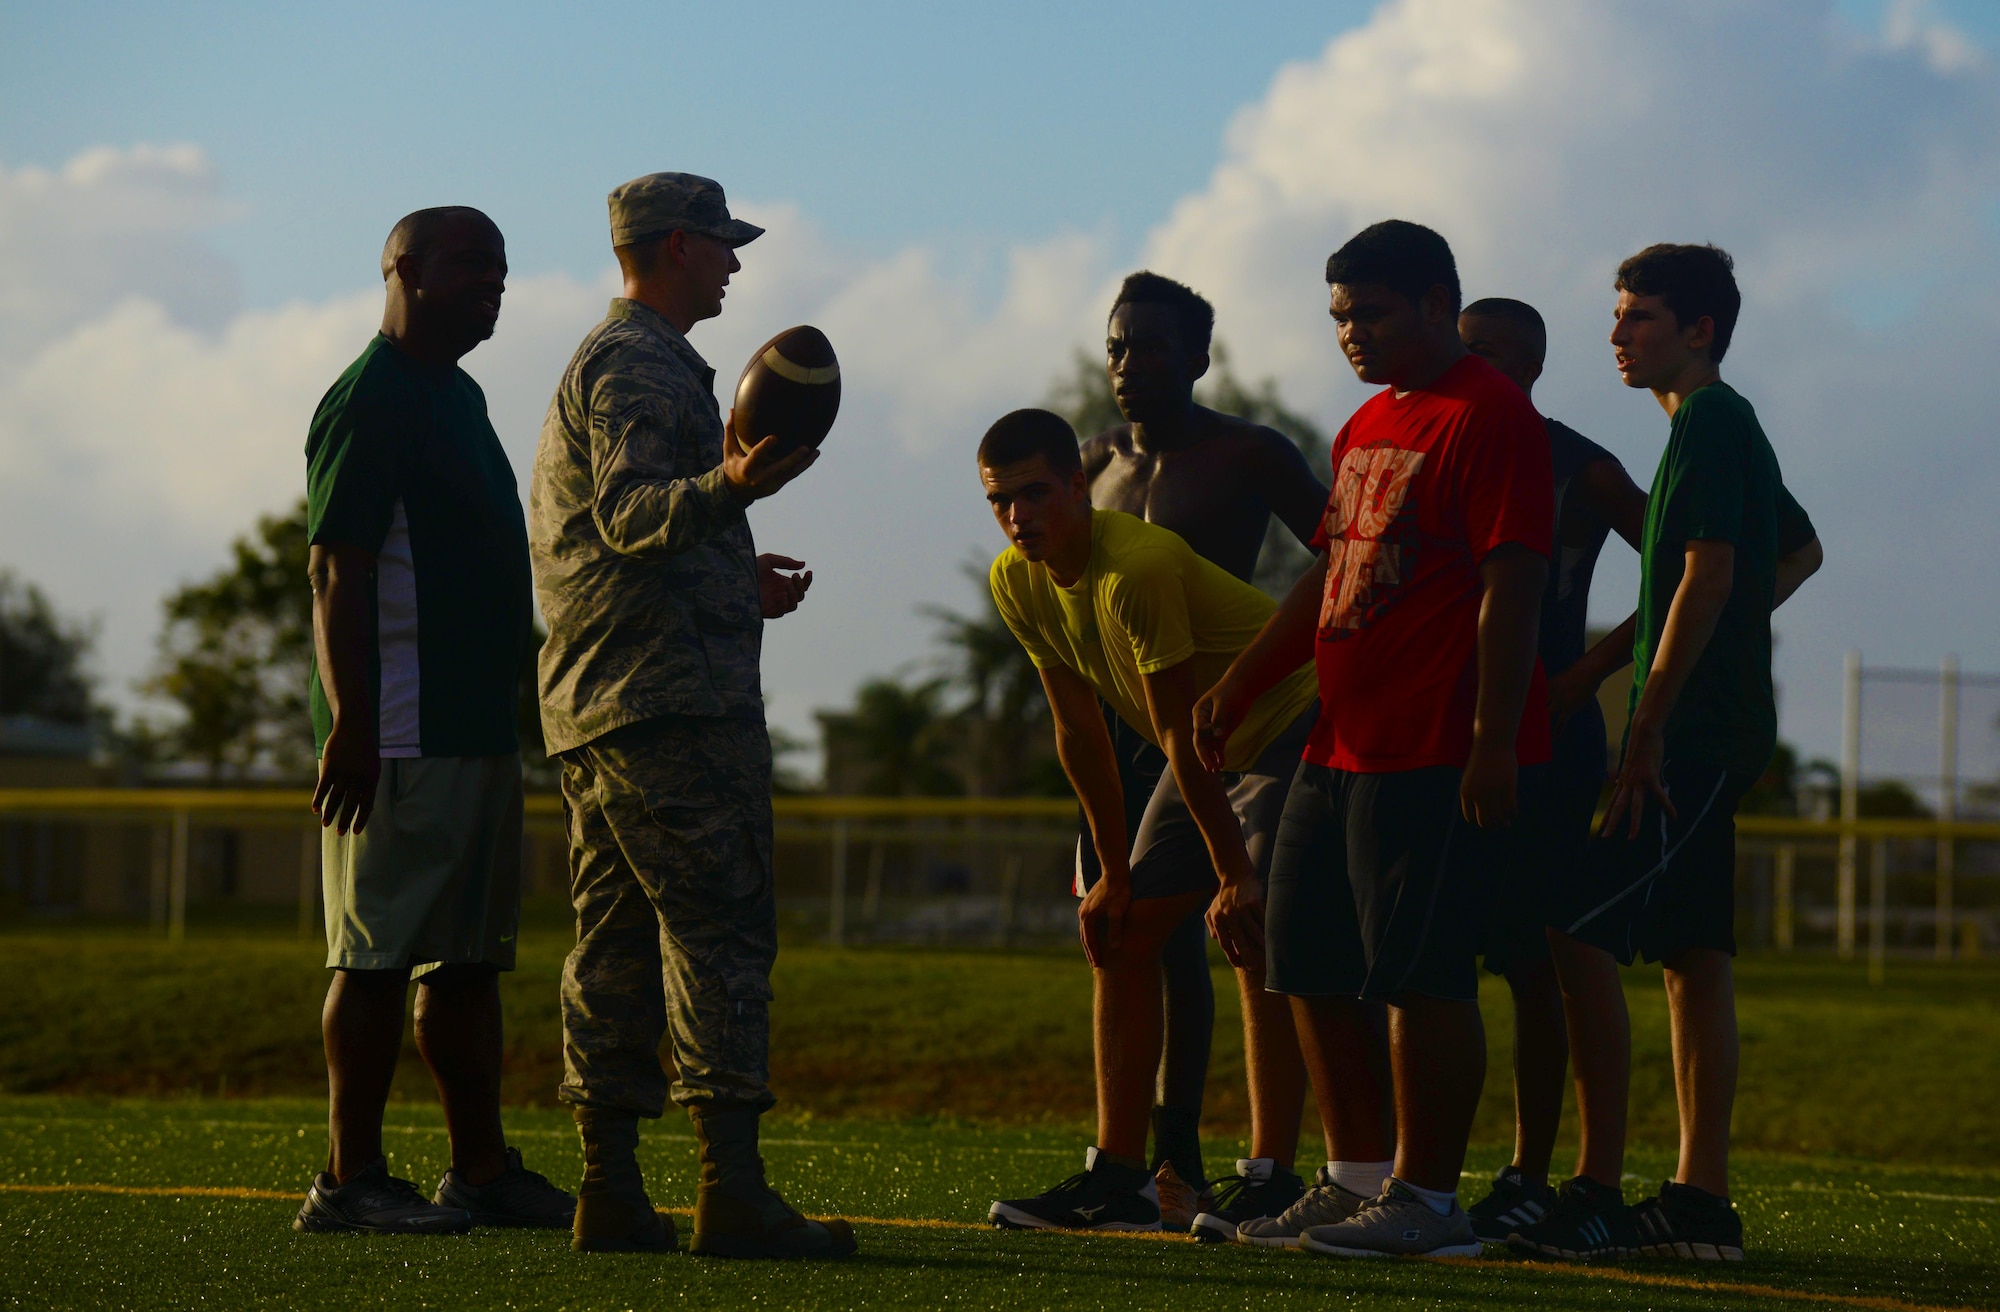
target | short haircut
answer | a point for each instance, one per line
(1025, 434)
(1402, 256)
(1196, 315)
(1522, 315)
(414, 233)
(1693, 281)
(642, 257)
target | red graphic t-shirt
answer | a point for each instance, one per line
(1424, 486)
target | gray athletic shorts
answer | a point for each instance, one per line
(1169, 855)
(435, 878)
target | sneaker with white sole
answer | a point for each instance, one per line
(1683, 1221)
(1324, 1204)
(1259, 1189)
(1111, 1193)
(1514, 1203)
(375, 1202)
(1588, 1223)
(1398, 1224)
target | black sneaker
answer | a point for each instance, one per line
(1515, 1203)
(1112, 1193)
(372, 1200)
(1683, 1221)
(1588, 1223)
(516, 1197)
(1258, 1189)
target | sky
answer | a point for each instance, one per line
(193, 199)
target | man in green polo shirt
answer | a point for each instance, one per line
(421, 611)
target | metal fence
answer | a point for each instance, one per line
(849, 869)
(859, 869)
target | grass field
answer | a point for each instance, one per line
(1830, 1065)
(917, 1086)
(209, 1189)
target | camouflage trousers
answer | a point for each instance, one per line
(676, 924)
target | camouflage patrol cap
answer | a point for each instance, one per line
(658, 203)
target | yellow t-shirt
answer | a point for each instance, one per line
(1146, 602)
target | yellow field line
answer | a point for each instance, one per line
(1874, 1303)
(154, 1191)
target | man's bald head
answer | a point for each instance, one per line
(446, 271)
(1507, 334)
(416, 234)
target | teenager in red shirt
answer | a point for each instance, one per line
(1422, 612)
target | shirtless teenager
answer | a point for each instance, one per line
(1216, 480)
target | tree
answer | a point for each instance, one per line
(897, 739)
(235, 652)
(1005, 707)
(1084, 398)
(236, 657)
(41, 657)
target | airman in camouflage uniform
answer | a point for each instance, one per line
(650, 698)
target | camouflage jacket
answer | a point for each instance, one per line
(644, 564)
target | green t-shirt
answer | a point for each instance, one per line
(402, 461)
(1718, 481)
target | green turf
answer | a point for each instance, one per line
(1904, 1072)
(1926, 1237)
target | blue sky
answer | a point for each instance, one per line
(892, 123)
(193, 198)
(971, 127)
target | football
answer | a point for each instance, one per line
(790, 390)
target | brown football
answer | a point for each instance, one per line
(790, 390)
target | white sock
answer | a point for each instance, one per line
(1438, 1200)
(1364, 1178)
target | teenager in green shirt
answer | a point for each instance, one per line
(1724, 544)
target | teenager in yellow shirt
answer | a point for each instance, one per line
(1110, 606)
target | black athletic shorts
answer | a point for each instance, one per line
(1140, 765)
(1547, 848)
(1378, 887)
(1169, 855)
(1673, 887)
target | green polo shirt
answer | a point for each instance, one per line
(402, 461)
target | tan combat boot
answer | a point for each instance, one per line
(737, 1214)
(613, 1214)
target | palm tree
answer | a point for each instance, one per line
(1004, 703)
(898, 738)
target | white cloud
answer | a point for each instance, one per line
(140, 432)
(109, 225)
(1854, 181)
(1912, 25)
(143, 422)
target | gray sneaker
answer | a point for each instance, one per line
(516, 1197)
(1324, 1204)
(376, 1202)
(1398, 1224)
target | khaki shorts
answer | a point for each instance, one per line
(435, 878)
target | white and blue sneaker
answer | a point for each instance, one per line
(1515, 1203)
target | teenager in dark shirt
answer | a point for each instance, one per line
(1724, 545)
(1594, 497)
